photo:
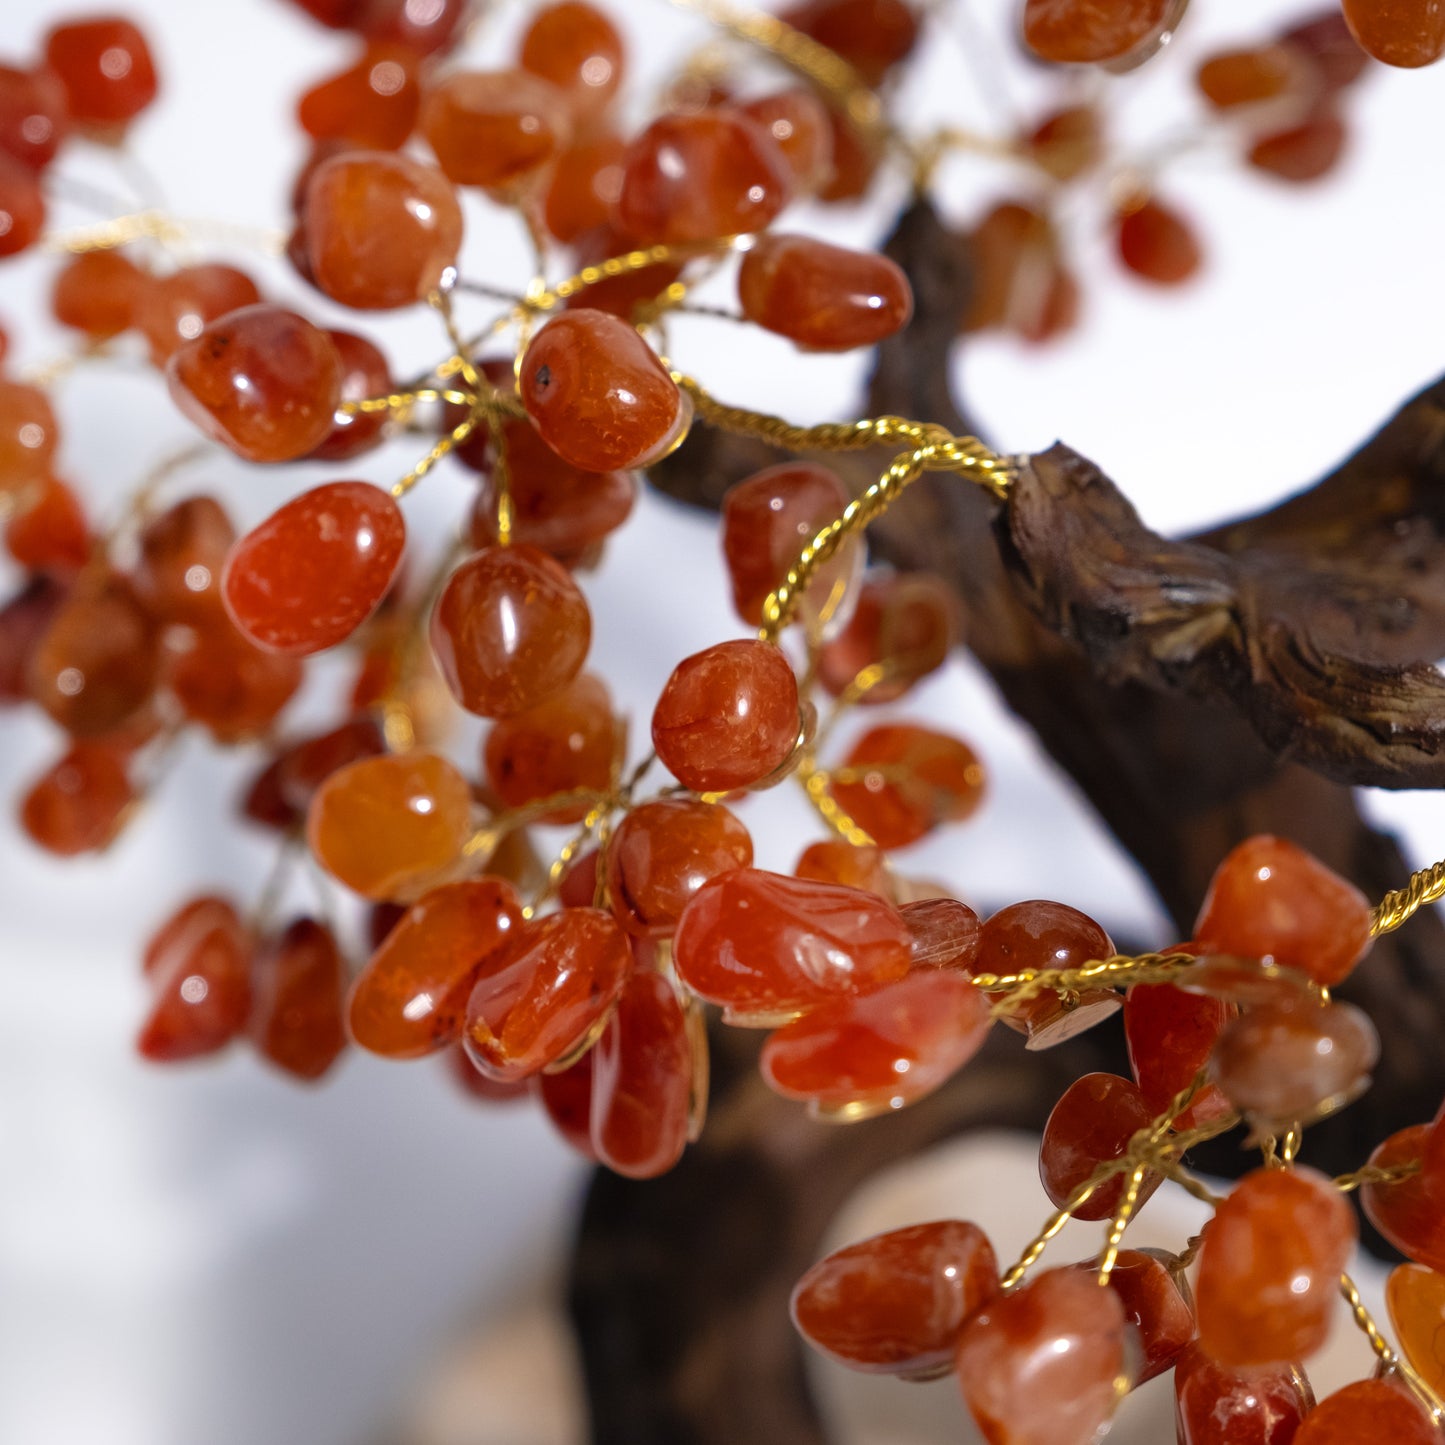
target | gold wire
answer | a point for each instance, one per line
(1374, 1174)
(1426, 886)
(1388, 1356)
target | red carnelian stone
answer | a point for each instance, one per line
(1416, 1300)
(34, 116)
(315, 570)
(1304, 153)
(584, 186)
(824, 298)
(281, 793)
(1406, 33)
(1170, 1035)
(387, 826)
(1093, 1121)
(727, 717)
(29, 435)
(97, 293)
(364, 373)
(25, 617)
(764, 945)
(411, 998)
(834, 861)
(698, 176)
(199, 966)
(900, 782)
(799, 125)
(1336, 57)
(554, 983)
(183, 551)
(1271, 899)
(662, 852)
(1368, 1410)
(1153, 1305)
(567, 1098)
(78, 804)
(229, 685)
(171, 310)
(22, 207)
(1409, 1214)
(1215, 1405)
(106, 68)
(510, 628)
(598, 395)
(642, 1080)
(476, 1085)
(1250, 77)
(493, 128)
(51, 533)
(1270, 1266)
(862, 1056)
(299, 989)
(1082, 31)
(1432, 1169)
(1157, 244)
(1246, 982)
(1043, 1365)
(379, 229)
(371, 105)
(871, 35)
(1068, 142)
(895, 1304)
(577, 48)
(945, 933)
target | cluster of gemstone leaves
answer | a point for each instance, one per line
(585, 983)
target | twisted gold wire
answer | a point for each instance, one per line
(1426, 886)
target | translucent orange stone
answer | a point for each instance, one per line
(858, 1057)
(1432, 1169)
(1334, 54)
(1068, 142)
(1407, 33)
(577, 48)
(477, 1085)
(1269, 1269)
(834, 861)
(766, 946)
(78, 804)
(697, 176)
(767, 521)
(1170, 1034)
(1246, 982)
(1157, 244)
(22, 206)
(34, 116)
(1305, 152)
(899, 782)
(411, 998)
(642, 1080)
(493, 128)
(51, 532)
(371, 105)
(106, 68)
(1270, 899)
(1093, 1121)
(567, 1098)
(1215, 1405)
(174, 309)
(584, 186)
(1368, 1410)
(1154, 1306)
(945, 933)
(425, 26)
(799, 125)
(510, 629)
(1014, 250)
(598, 395)
(230, 686)
(855, 162)
(1044, 1365)
(379, 229)
(364, 373)
(29, 436)
(1249, 77)
(555, 982)
(25, 617)
(182, 552)
(895, 1304)
(198, 964)
(1080, 31)
(727, 717)
(97, 292)
(1409, 1214)
(299, 988)
(386, 827)
(1415, 1297)
(281, 793)
(871, 35)
(316, 569)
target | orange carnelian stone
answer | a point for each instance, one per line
(106, 68)
(1270, 899)
(229, 685)
(577, 48)
(51, 532)
(371, 105)
(1270, 1267)
(477, 1085)
(425, 26)
(1157, 244)
(727, 717)
(824, 298)
(199, 967)
(364, 373)
(299, 988)
(1334, 54)
(887, 1049)
(585, 183)
(379, 229)
(182, 553)
(411, 997)
(798, 123)
(1019, 283)
(764, 945)
(545, 993)
(855, 161)
(78, 804)
(25, 618)
(1304, 153)
(642, 1080)
(1153, 1304)
(1432, 1169)
(895, 1304)
(29, 435)
(1368, 1410)
(22, 207)
(1215, 1405)
(871, 35)
(700, 175)
(1081, 30)
(1042, 1366)
(567, 1098)
(34, 116)
(945, 933)
(493, 128)
(281, 793)
(1068, 142)
(1094, 1120)
(388, 826)
(1249, 77)
(97, 293)
(171, 310)
(510, 628)
(1247, 982)
(834, 861)
(1407, 33)
(1170, 1035)
(1409, 1213)
(1415, 1296)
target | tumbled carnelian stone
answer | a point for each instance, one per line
(545, 993)
(316, 569)
(1080, 31)
(1170, 1034)
(281, 793)
(29, 435)
(34, 116)
(887, 1049)
(425, 26)
(1368, 1410)
(895, 1304)
(871, 35)
(25, 618)
(371, 105)
(727, 717)
(1153, 1305)
(823, 297)
(199, 967)
(1068, 142)
(642, 1080)
(1094, 1120)
(229, 685)
(834, 861)
(597, 393)
(1415, 1297)
(1248, 77)
(697, 176)
(1013, 250)
(798, 123)
(106, 68)
(1043, 1365)
(1334, 54)
(379, 229)
(945, 933)
(567, 1098)
(22, 206)
(299, 988)
(1216, 1405)
(1270, 899)
(764, 945)
(493, 128)
(1246, 982)
(51, 532)
(1303, 153)
(1407, 33)
(182, 553)
(1157, 244)
(575, 47)
(1432, 1167)
(97, 293)
(171, 310)
(907, 780)
(411, 998)
(387, 826)
(78, 803)
(364, 373)
(1407, 1213)
(1270, 1266)
(476, 1085)
(583, 187)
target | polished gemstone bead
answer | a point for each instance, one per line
(621, 295)
(379, 229)
(97, 293)
(510, 629)
(1250, 77)
(1019, 283)
(1081, 31)
(34, 116)
(280, 794)
(895, 1304)
(697, 176)
(871, 35)
(25, 618)
(199, 967)
(834, 861)
(598, 395)
(903, 624)
(1245, 982)
(727, 717)
(1303, 153)
(1093, 1121)
(1408, 1213)
(766, 946)
(1432, 1169)
(899, 782)
(411, 998)
(494, 129)
(1368, 1410)
(546, 992)
(316, 569)
(1157, 244)
(945, 933)
(1045, 1365)
(299, 988)
(22, 207)
(388, 826)
(171, 310)
(1170, 1034)
(371, 105)
(79, 803)
(642, 1080)
(767, 521)
(1407, 33)
(50, 534)
(584, 185)
(567, 1098)
(1270, 1266)
(577, 48)
(476, 1085)
(798, 122)
(1216, 1405)
(183, 550)
(1153, 1305)
(1271, 899)
(106, 68)
(1068, 142)
(858, 1057)
(1334, 54)
(29, 435)
(364, 373)
(230, 686)
(855, 161)
(427, 27)
(1415, 1297)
